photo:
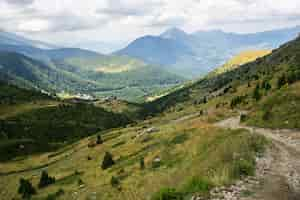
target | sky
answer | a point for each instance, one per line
(116, 22)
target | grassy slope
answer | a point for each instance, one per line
(222, 89)
(194, 154)
(240, 59)
(190, 149)
(41, 123)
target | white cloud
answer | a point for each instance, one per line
(115, 20)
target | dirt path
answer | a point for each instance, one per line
(278, 172)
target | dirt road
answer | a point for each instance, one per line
(279, 173)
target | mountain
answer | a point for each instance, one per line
(222, 136)
(175, 34)
(17, 40)
(156, 50)
(47, 55)
(197, 53)
(99, 46)
(265, 87)
(76, 71)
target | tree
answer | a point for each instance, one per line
(256, 93)
(99, 139)
(266, 85)
(142, 163)
(26, 189)
(46, 180)
(281, 81)
(107, 161)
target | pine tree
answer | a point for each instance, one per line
(142, 163)
(46, 180)
(107, 161)
(26, 189)
(99, 139)
(256, 93)
(281, 81)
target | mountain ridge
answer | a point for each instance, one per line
(197, 53)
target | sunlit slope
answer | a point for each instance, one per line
(240, 59)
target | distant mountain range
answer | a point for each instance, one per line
(144, 67)
(74, 70)
(197, 53)
(7, 38)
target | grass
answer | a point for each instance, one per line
(278, 110)
(195, 156)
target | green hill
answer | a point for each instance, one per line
(275, 75)
(41, 123)
(100, 76)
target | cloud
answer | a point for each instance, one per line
(19, 2)
(126, 8)
(60, 20)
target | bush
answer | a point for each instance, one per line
(26, 189)
(142, 163)
(197, 184)
(237, 100)
(244, 168)
(256, 93)
(243, 118)
(266, 116)
(99, 139)
(114, 181)
(281, 81)
(293, 76)
(46, 180)
(266, 85)
(107, 161)
(167, 194)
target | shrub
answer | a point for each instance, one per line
(26, 189)
(266, 85)
(237, 100)
(243, 118)
(107, 161)
(142, 163)
(244, 167)
(80, 182)
(46, 180)
(256, 93)
(293, 76)
(99, 139)
(114, 181)
(197, 184)
(267, 115)
(281, 81)
(167, 194)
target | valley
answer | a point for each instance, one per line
(232, 134)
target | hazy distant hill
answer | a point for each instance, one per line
(16, 40)
(199, 52)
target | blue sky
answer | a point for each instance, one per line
(69, 22)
